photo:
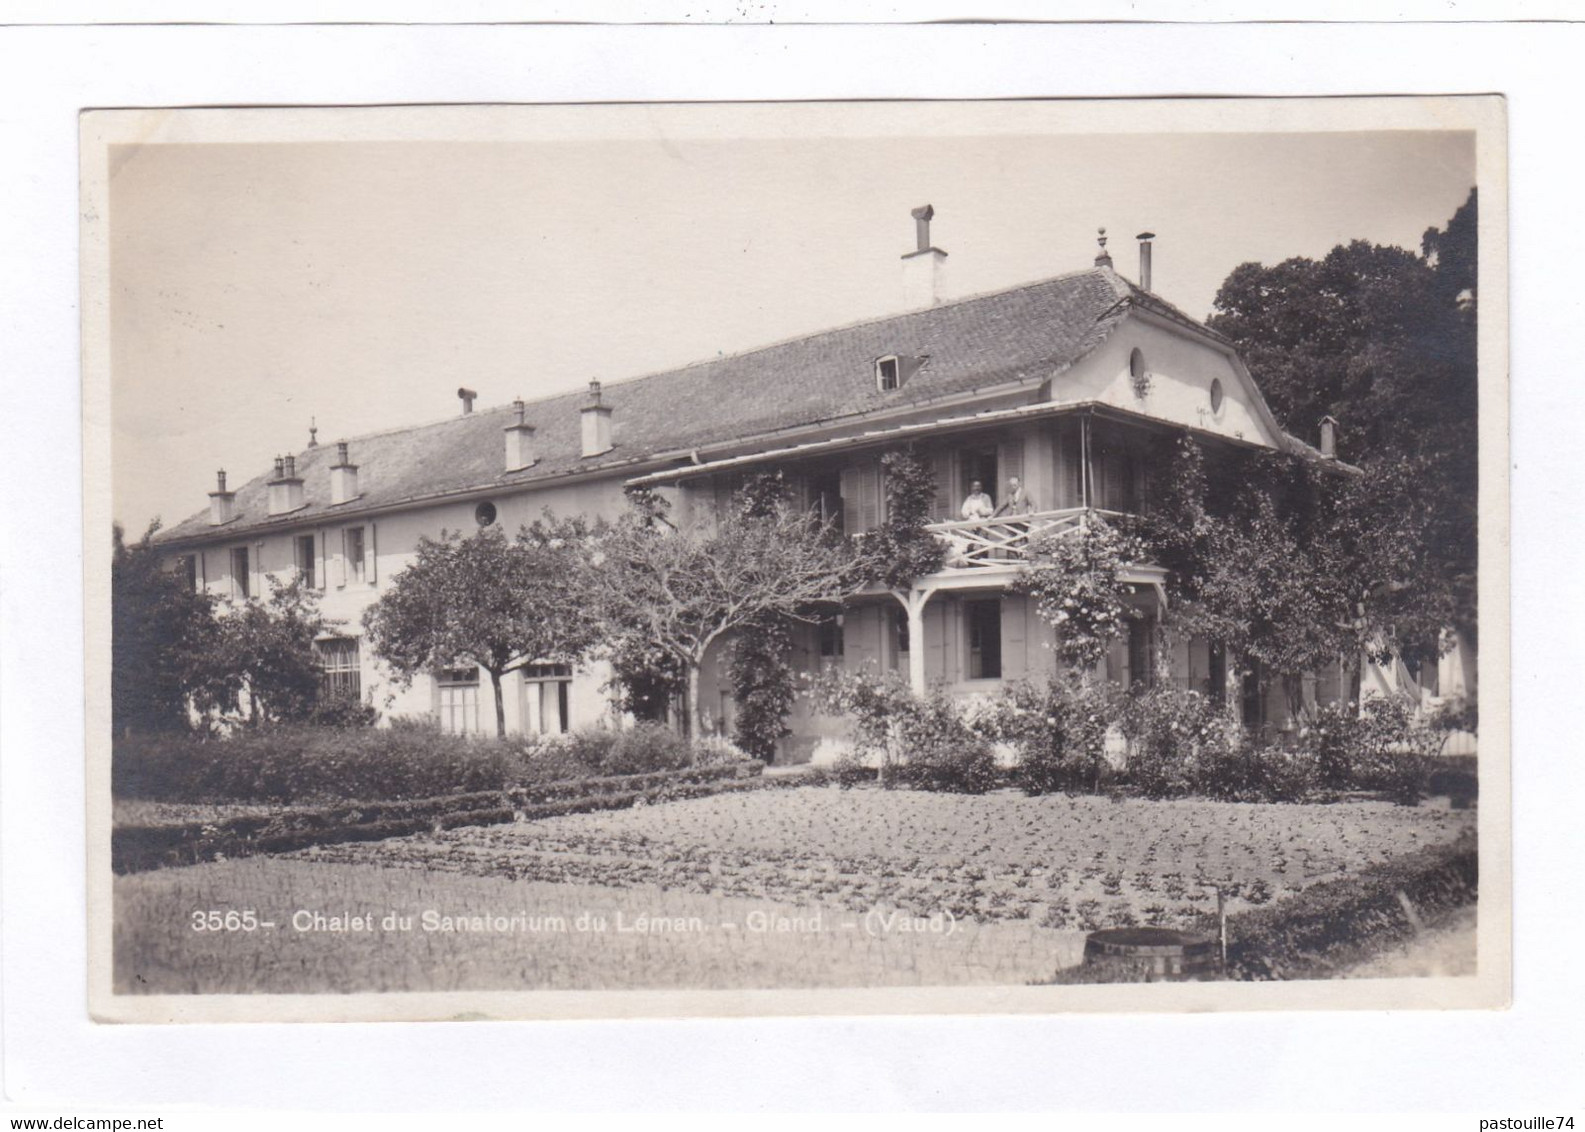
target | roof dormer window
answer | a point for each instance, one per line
(888, 374)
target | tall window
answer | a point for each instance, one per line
(458, 700)
(303, 547)
(548, 689)
(240, 572)
(187, 569)
(354, 552)
(1141, 669)
(339, 674)
(985, 638)
(831, 643)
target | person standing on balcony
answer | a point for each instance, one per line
(978, 505)
(1017, 501)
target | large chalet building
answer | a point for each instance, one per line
(1061, 383)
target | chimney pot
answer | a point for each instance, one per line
(1144, 239)
(467, 397)
(341, 452)
(922, 215)
(220, 479)
(922, 266)
(520, 452)
(280, 467)
(520, 408)
(1329, 437)
(291, 467)
(594, 391)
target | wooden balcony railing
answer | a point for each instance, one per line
(989, 543)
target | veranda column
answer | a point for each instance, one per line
(914, 605)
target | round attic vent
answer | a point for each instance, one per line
(1216, 395)
(484, 513)
(1138, 372)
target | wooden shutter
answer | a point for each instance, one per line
(1015, 645)
(370, 554)
(935, 642)
(1011, 459)
(869, 497)
(1070, 491)
(941, 507)
(320, 578)
(341, 560)
(256, 568)
(850, 500)
(861, 638)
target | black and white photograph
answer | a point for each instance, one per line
(571, 561)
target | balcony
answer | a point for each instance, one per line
(987, 544)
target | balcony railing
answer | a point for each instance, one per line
(990, 543)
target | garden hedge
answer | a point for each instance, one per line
(136, 848)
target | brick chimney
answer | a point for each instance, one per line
(222, 503)
(596, 423)
(922, 267)
(343, 477)
(520, 452)
(286, 486)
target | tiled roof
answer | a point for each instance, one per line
(1028, 333)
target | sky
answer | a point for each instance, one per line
(258, 286)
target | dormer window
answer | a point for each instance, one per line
(888, 375)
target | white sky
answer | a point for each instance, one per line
(257, 285)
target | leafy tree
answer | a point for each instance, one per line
(678, 590)
(490, 601)
(1384, 340)
(264, 658)
(162, 637)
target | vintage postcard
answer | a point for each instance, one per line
(719, 559)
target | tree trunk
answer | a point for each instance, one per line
(690, 713)
(500, 704)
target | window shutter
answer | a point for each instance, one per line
(341, 561)
(256, 567)
(370, 554)
(1070, 490)
(1011, 459)
(941, 465)
(203, 572)
(1015, 660)
(869, 498)
(320, 578)
(861, 638)
(850, 500)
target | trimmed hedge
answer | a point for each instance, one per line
(1330, 926)
(1337, 923)
(142, 847)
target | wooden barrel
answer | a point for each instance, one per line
(1163, 954)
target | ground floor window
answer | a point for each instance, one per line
(984, 619)
(457, 694)
(832, 645)
(547, 692)
(241, 573)
(340, 677)
(303, 551)
(1141, 661)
